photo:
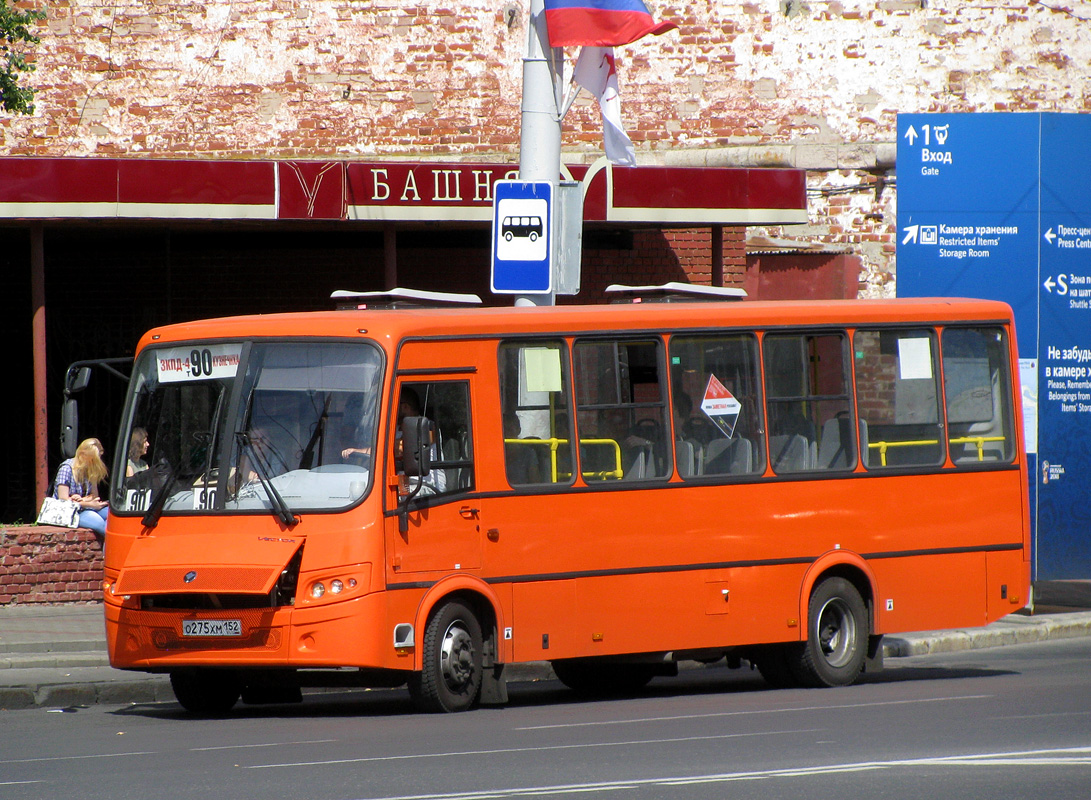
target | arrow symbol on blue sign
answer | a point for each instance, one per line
(1050, 236)
(911, 135)
(910, 234)
(1049, 284)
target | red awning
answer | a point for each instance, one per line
(383, 191)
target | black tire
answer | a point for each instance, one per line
(776, 664)
(603, 678)
(207, 692)
(451, 676)
(837, 636)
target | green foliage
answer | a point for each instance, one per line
(14, 35)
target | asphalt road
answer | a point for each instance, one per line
(1005, 722)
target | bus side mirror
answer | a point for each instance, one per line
(70, 427)
(418, 435)
(77, 379)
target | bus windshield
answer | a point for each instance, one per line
(283, 427)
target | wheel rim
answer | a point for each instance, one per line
(836, 632)
(456, 657)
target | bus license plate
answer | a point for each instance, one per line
(211, 627)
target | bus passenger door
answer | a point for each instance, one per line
(437, 525)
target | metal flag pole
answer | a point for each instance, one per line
(540, 134)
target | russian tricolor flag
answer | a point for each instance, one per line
(599, 23)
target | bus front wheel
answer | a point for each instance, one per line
(207, 692)
(837, 636)
(450, 679)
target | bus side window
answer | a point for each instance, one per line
(897, 396)
(447, 405)
(808, 402)
(716, 402)
(977, 387)
(621, 411)
(534, 405)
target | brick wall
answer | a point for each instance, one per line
(42, 564)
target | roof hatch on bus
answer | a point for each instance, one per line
(401, 298)
(672, 292)
(206, 564)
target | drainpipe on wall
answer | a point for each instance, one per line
(41, 414)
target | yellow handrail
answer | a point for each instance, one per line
(554, 443)
(979, 441)
(882, 447)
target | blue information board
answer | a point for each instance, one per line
(522, 237)
(1064, 293)
(999, 206)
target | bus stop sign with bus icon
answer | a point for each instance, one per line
(522, 237)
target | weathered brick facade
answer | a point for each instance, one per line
(41, 564)
(775, 83)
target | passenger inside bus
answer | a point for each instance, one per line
(435, 482)
(266, 452)
(522, 455)
(356, 427)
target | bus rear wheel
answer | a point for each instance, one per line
(837, 636)
(207, 692)
(450, 679)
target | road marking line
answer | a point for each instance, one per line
(263, 744)
(1020, 758)
(539, 749)
(749, 713)
(76, 758)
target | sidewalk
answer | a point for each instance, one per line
(55, 656)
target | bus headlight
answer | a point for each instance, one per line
(335, 585)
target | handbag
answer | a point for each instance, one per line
(62, 513)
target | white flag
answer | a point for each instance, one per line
(596, 73)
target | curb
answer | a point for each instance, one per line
(58, 660)
(70, 695)
(1010, 631)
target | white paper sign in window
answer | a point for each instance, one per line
(914, 359)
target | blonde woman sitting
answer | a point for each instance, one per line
(78, 479)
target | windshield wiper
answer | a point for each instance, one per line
(306, 461)
(159, 500)
(281, 508)
(155, 508)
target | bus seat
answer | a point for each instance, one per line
(450, 452)
(835, 449)
(789, 452)
(729, 456)
(638, 469)
(455, 448)
(684, 451)
(865, 451)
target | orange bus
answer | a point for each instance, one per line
(400, 494)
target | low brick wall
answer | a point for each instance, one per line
(43, 564)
